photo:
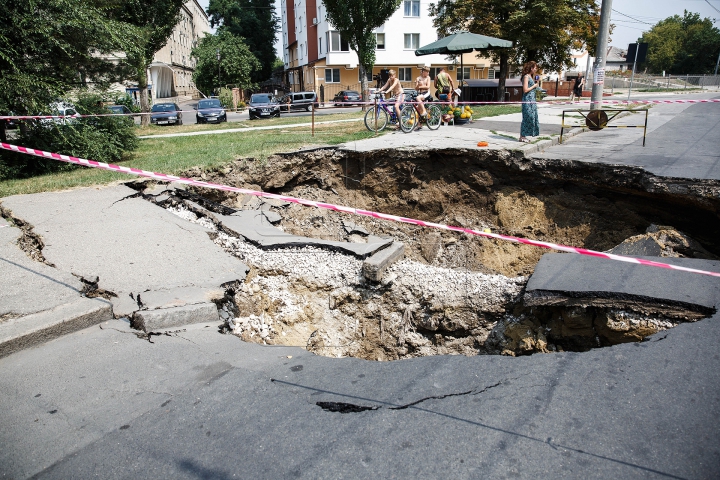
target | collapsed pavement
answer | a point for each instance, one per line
(164, 256)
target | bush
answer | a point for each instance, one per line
(104, 139)
(128, 101)
(226, 98)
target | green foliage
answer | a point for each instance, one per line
(256, 22)
(105, 139)
(237, 63)
(545, 31)
(682, 45)
(226, 98)
(50, 46)
(127, 100)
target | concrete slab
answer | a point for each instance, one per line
(28, 331)
(28, 286)
(130, 243)
(153, 320)
(375, 266)
(590, 277)
(252, 225)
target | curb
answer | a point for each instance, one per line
(37, 328)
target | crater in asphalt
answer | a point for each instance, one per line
(452, 293)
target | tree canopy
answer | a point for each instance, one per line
(545, 31)
(52, 48)
(154, 21)
(356, 22)
(682, 45)
(253, 20)
(237, 62)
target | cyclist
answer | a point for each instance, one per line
(394, 87)
(422, 87)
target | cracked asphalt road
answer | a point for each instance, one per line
(195, 404)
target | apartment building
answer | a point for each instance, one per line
(172, 67)
(318, 59)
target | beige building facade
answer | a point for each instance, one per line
(172, 68)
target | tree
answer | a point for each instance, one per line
(542, 30)
(237, 63)
(52, 48)
(682, 45)
(154, 21)
(253, 20)
(356, 22)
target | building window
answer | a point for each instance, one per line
(320, 43)
(336, 43)
(332, 75)
(491, 73)
(412, 41)
(379, 41)
(405, 74)
(433, 72)
(368, 76)
(412, 8)
(464, 75)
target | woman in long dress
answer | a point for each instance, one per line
(530, 126)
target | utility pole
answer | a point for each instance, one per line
(599, 67)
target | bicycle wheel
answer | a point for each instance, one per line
(408, 118)
(434, 117)
(376, 119)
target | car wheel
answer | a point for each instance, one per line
(307, 108)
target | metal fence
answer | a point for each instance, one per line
(668, 82)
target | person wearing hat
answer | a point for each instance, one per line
(422, 87)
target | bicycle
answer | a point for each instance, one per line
(434, 112)
(376, 118)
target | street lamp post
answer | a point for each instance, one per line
(217, 51)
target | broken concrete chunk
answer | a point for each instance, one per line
(375, 266)
(351, 228)
(150, 320)
(272, 217)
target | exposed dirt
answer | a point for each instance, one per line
(454, 293)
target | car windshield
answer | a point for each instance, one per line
(261, 98)
(211, 103)
(116, 109)
(163, 107)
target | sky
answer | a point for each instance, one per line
(631, 17)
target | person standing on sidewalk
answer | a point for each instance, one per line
(444, 83)
(530, 126)
(578, 87)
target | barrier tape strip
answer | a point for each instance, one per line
(339, 208)
(389, 101)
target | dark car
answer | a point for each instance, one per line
(299, 101)
(119, 109)
(210, 110)
(347, 97)
(165, 114)
(11, 122)
(263, 105)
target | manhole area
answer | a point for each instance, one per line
(451, 294)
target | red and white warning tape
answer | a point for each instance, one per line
(339, 208)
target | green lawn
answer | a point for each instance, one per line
(480, 111)
(174, 155)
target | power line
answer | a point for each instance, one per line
(632, 18)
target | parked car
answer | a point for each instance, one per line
(210, 110)
(11, 123)
(263, 105)
(66, 113)
(347, 97)
(119, 109)
(165, 114)
(299, 101)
